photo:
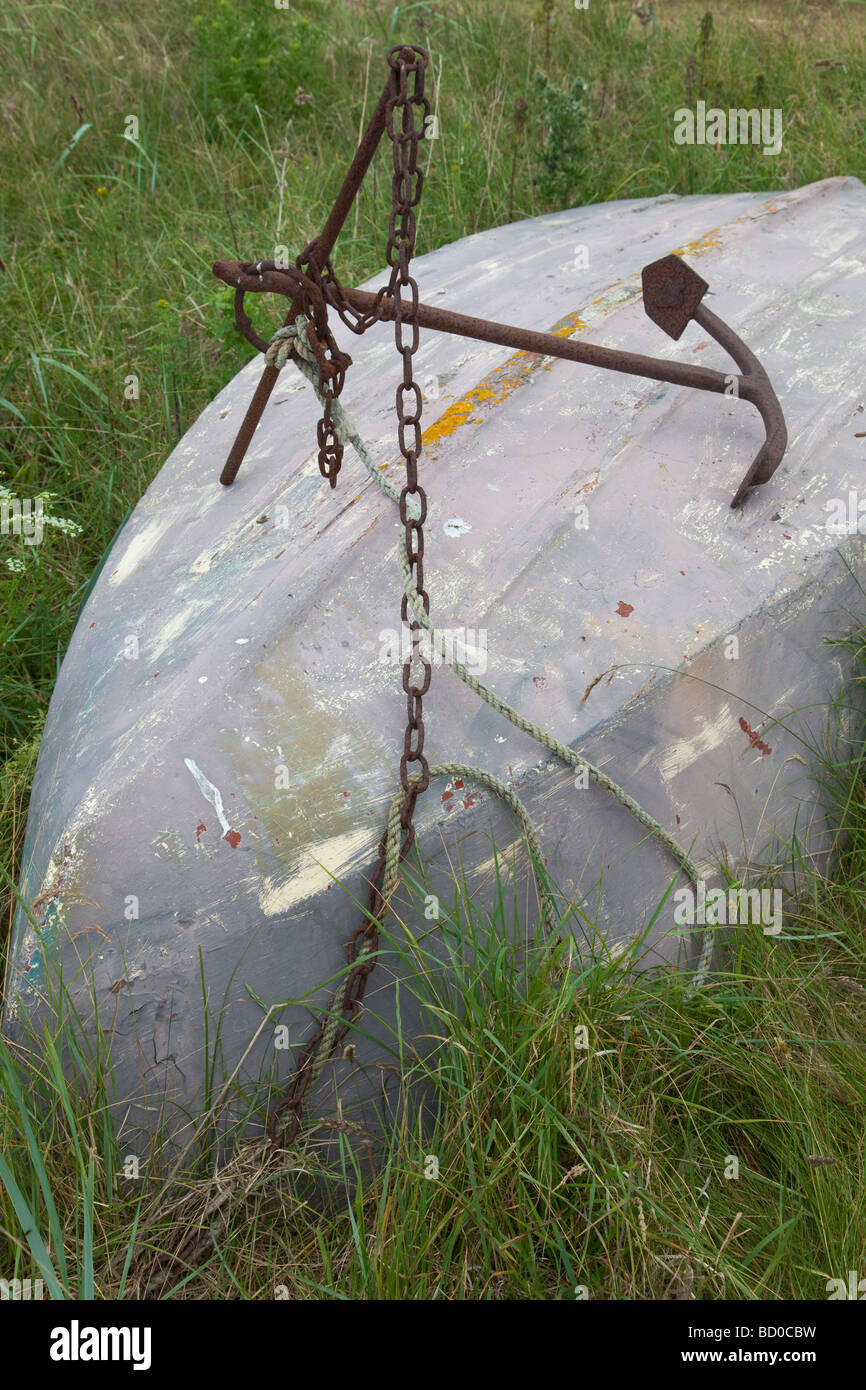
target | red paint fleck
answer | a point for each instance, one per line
(233, 838)
(624, 609)
(540, 681)
(199, 831)
(345, 793)
(279, 553)
(785, 534)
(682, 571)
(754, 739)
(678, 820)
(91, 625)
(458, 784)
(446, 796)
(471, 800)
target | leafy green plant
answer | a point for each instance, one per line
(563, 119)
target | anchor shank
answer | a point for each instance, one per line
(505, 334)
(549, 345)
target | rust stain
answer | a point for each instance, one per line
(233, 838)
(624, 609)
(754, 740)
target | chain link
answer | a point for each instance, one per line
(312, 299)
(331, 361)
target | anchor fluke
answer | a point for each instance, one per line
(672, 292)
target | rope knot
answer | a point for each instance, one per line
(288, 340)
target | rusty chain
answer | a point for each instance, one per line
(332, 363)
(330, 447)
(406, 101)
(406, 193)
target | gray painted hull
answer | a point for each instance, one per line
(219, 783)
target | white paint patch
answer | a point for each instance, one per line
(456, 526)
(674, 759)
(202, 563)
(137, 551)
(331, 858)
(210, 793)
(169, 633)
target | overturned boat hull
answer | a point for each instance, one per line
(224, 737)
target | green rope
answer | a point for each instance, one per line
(291, 341)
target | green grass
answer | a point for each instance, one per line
(550, 1176)
(705, 1144)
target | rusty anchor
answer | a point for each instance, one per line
(672, 298)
